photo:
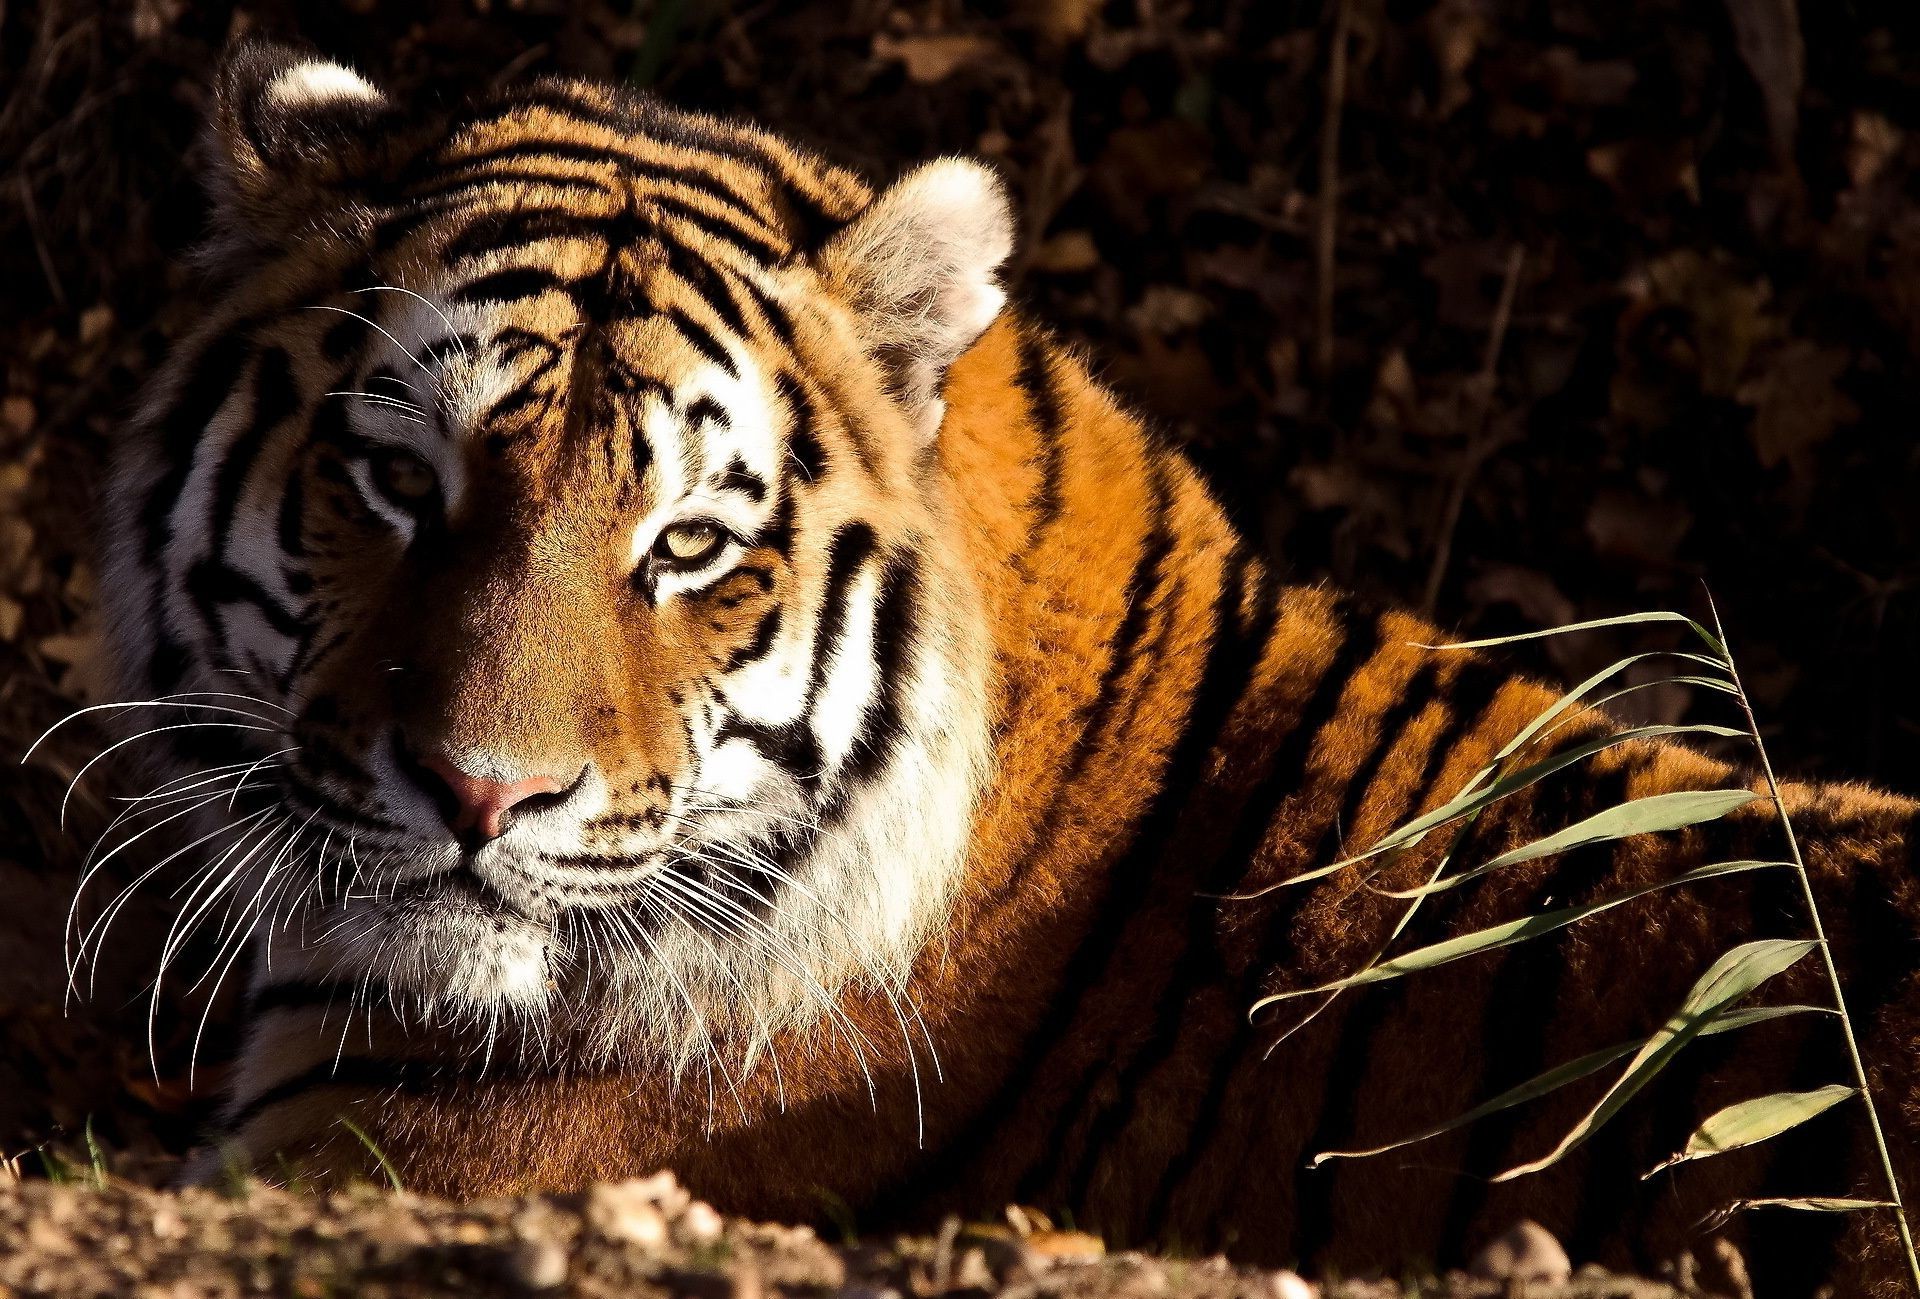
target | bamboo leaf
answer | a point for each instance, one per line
(1621, 620)
(1804, 1203)
(1648, 815)
(1473, 800)
(1731, 977)
(1570, 698)
(1510, 932)
(1562, 1075)
(1750, 1122)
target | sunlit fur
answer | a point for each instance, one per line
(1030, 713)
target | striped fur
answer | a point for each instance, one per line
(989, 712)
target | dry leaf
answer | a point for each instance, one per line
(1627, 525)
(931, 57)
(1874, 142)
(1165, 309)
(1068, 253)
(1797, 401)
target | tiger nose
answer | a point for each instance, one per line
(479, 810)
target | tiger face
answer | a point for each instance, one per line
(549, 489)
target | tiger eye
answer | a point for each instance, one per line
(689, 543)
(402, 477)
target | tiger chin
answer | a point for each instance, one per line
(685, 676)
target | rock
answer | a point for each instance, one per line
(1064, 1246)
(1290, 1285)
(628, 1212)
(537, 1265)
(701, 1223)
(1527, 1252)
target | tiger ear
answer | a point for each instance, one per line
(920, 269)
(294, 135)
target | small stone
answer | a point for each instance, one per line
(1064, 1246)
(1291, 1285)
(537, 1265)
(627, 1212)
(971, 1272)
(1528, 1253)
(701, 1223)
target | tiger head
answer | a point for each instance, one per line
(547, 511)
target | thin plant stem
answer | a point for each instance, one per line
(1826, 954)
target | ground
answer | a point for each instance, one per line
(1515, 311)
(638, 1239)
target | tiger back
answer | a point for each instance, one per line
(683, 676)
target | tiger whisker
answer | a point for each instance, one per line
(431, 305)
(381, 330)
(89, 765)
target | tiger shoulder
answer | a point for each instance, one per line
(685, 676)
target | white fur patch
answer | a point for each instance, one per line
(310, 84)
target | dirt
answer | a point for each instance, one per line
(636, 1239)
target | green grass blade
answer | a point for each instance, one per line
(1621, 620)
(1473, 800)
(1748, 1123)
(1511, 932)
(379, 1155)
(1636, 816)
(1571, 697)
(1562, 1075)
(1803, 1203)
(1731, 977)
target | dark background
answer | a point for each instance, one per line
(1618, 297)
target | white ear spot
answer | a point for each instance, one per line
(920, 269)
(311, 84)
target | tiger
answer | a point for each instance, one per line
(667, 668)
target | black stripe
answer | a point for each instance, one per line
(209, 385)
(895, 627)
(1525, 986)
(627, 163)
(517, 401)
(1230, 662)
(738, 478)
(702, 339)
(359, 1072)
(1142, 590)
(511, 285)
(343, 337)
(1287, 775)
(1199, 959)
(758, 645)
(852, 545)
(708, 284)
(436, 195)
(717, 227)
(212, 583)
(495, 231)
(1036, 382)
(275, 399)
(1346, 1073)
(803, 445)
(770, 310)
(706, 410)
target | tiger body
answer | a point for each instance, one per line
(920, 855)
